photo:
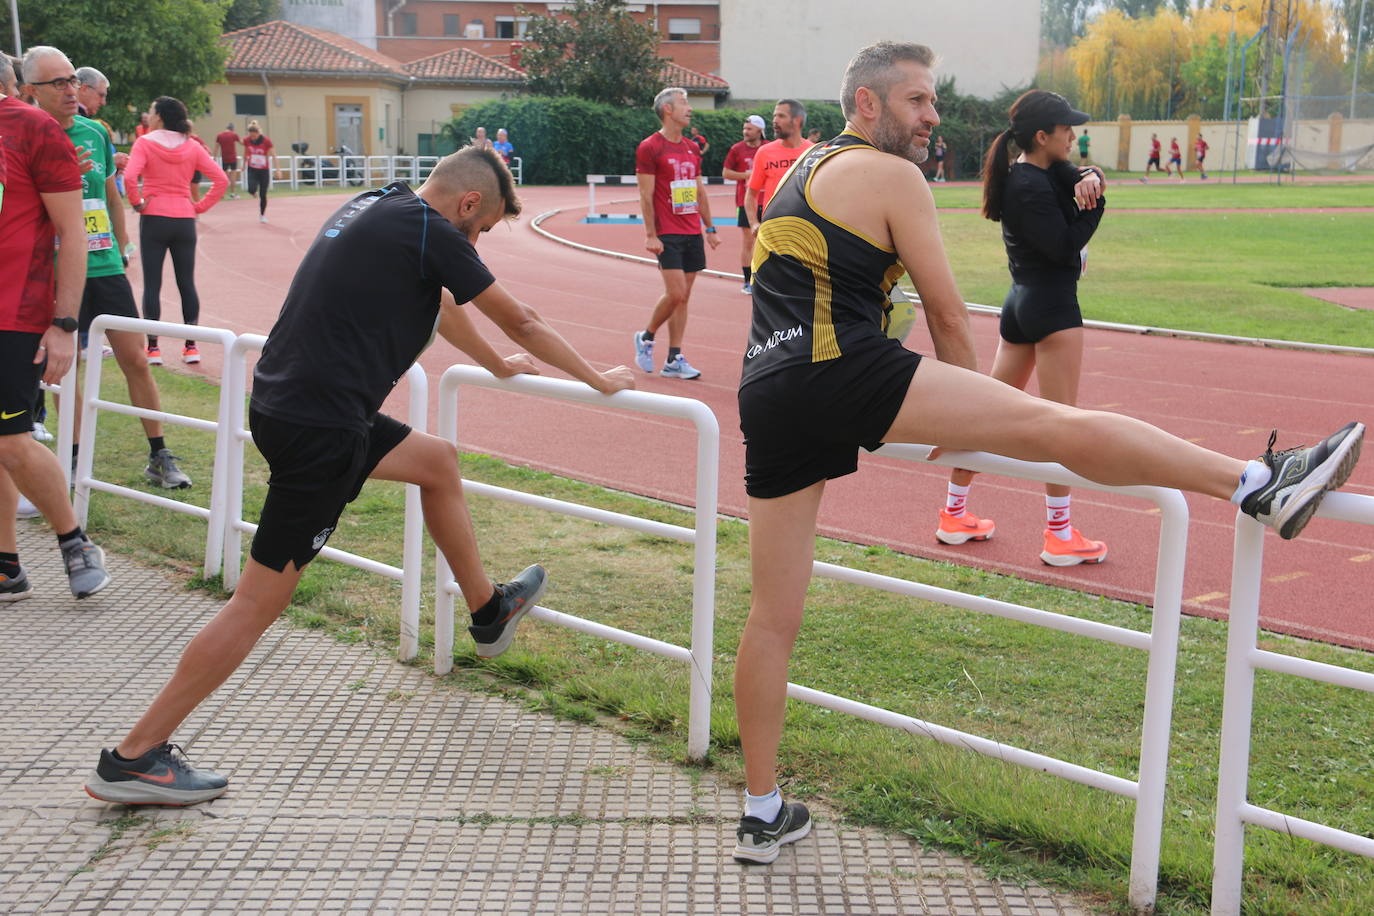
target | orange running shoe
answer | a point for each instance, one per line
(967, 527)
(1075, 550)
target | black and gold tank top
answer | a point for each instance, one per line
(820, 287)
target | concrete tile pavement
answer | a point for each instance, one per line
(362, 785)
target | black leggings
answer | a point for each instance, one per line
(260, 179)
(156, 236)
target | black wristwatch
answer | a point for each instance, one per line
(66, 324)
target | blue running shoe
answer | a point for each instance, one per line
(644, 352)
(162, 776)
(679, 368)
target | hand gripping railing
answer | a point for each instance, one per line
(1161, 643)
(92, 402)
(702, 536)
(410, 571)
(1243, 657)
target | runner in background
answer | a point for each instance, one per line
(738, 161)
(773, 160)
(228, 142)
(1200, 148)
(257, 150)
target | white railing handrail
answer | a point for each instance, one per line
(91, 402)
(1243, 658)
(409, 573)
(702, 535)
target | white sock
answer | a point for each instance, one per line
(763, 807)
(1255, 475)
(956, 499)
(1057, 517)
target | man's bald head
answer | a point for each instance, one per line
(480, 170)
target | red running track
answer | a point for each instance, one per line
(1225, 397)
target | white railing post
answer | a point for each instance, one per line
(443, 597)
(236, 372)
(704, 585)
(412, 562)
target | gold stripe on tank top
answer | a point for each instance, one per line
(801, 239)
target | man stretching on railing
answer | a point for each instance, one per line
(365, 302)
(822, 378)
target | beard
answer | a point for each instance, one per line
(891, 137)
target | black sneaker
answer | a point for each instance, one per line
(759, 842)
(1301, 478)
(518, 596)
(15, 588)
(163, 776)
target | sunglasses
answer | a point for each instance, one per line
(62, 82)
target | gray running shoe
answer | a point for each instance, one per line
(26, 509)
(1301, 477)
(162, 470)
(759, 842)
(644, 352)
(15, 588)
(518, 597)
(163, 776)
(85, 568)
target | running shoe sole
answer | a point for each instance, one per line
(1069, 559)
(137, 792)
(955, 538)
(1330, 474)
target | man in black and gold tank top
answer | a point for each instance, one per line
(822, 377)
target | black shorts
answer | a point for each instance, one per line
(1152, 161)
(1032, 313)
(259, 178)
(742, 218)
(18, 381)
(314, 473)
(1176, 161)
(806, 423)
(230, 165)
(107, 296)
(682, 252)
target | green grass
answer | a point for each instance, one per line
(1045, 691)
(1125, 192)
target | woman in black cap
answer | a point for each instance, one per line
(1049, 210)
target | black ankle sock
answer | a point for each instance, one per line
(75, 534)
(121, 758)
(648, 335)
(748, 271)
(9, 564)
(673, 353)
(155, 445)
(487, 613)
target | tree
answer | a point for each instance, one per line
(1061, 21)
(242, 14)
(595, 50)
(147, 48)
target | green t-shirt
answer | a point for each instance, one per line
(103, 258)
(1083, 145)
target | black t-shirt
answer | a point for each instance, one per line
(362, 307)
(1042, 227)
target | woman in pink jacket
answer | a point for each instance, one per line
(158, 179)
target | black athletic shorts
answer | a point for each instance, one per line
(742, 218)
(230, 165)
(806, 423)
(1152, 161)
(1032, 313)
(18, 381)
(314, 473)
(107, 296)
(682, 252)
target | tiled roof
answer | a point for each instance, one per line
(281, 46)
(462, 65)
(677, 75)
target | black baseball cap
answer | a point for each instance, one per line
(1043, 110)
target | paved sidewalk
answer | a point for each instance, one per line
(362, 785)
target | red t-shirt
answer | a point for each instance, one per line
(39, 159)
(259, 153)
(771, 162)
(740, 158)
(228, 142)
(1174, 152)
(675, 167)
(1154, 149)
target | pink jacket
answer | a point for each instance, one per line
(165, 160)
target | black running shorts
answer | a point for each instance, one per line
(806, 423)
(107, 296)
(18, 381)
(682, 252)
(314, 473)
(1032, 313)
(742, 218)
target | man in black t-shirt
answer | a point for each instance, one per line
(386, 273)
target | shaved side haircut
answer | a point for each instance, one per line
(482, 170)
(874, 68)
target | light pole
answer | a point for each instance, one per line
(1230, 56)
(1240, 108)
(1354, 63)
(19, 49)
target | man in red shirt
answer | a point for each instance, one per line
(738, 161)
(672, 196)
(772, 160)
(1153, 161)
(40, 297)
(228, 142)
(1200, 154)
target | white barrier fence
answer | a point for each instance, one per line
(630, 181)
(332, 170)
(1243, 658)
(702, 536)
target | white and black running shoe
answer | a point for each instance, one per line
(759, 842)
(1301, 477)
(162, 776)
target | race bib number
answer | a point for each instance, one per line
(684, 193)
(257, 160)
(97, 218)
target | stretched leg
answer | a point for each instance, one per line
(674, 297)
(782, 544)
(677, 322)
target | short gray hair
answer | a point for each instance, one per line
(92, 77)
(873, 68)
(38, 53)
(663, 99)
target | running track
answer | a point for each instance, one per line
(1223, 396)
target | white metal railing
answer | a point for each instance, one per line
(517, 169)
(1243, 658)
(1161, 643)
(631, 181)
(91, 402)
(702, 536)
(334, 170)
(409, 574)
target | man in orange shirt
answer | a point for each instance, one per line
(773, 160)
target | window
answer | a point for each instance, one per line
(250, 104)
(406, 24)
(475, 29)
(684, 29)
(451, 24)
(511, 26)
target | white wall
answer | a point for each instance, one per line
(799, 48)
(355, 19)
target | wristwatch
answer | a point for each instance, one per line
(65, 324)
(710, 230)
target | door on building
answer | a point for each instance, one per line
(348, 128)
